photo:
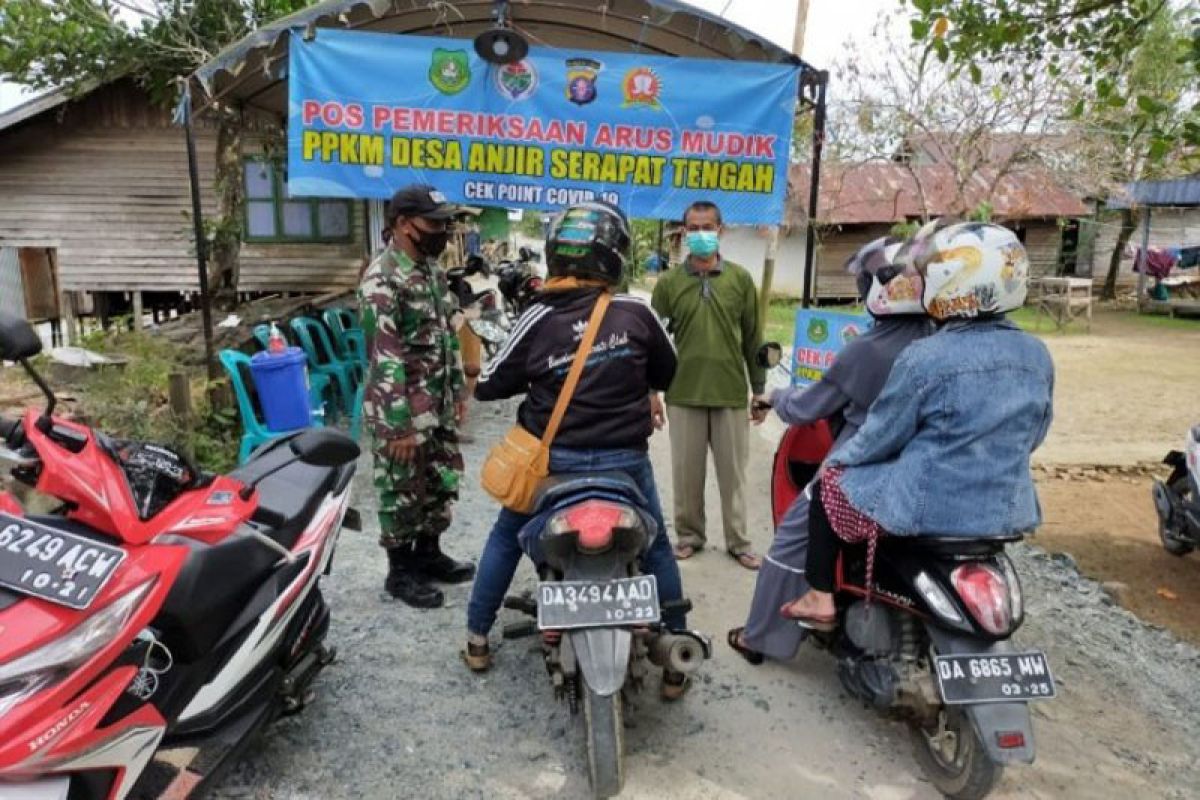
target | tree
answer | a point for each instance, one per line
(77, 45)
(1029, 36)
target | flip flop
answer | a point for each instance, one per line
(685, 551)
(821, 624)
(673, 689)
(752, 656)
(478, 658)
(755, 563)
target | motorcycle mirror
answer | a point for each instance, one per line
(769, 355)
(18, 340)
(324, 447)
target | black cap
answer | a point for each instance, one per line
(420, 200)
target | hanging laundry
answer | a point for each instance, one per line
(1189, 258)
(1158, 262)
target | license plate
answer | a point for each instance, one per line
(994, 678)
(52, 564)
(597, 604)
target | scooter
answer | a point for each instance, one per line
(162, 616)
(929, 642)
(598, 616)
(483, 313)
(1178, 499)
(518, 283)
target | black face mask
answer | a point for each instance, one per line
(430, 244)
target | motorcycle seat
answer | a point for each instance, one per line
(288, 498)
(557, 487)
(951, 545)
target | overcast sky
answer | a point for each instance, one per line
(830, 25)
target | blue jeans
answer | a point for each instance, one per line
(502, 552)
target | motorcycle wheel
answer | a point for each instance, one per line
(605, 742)
(1172, 545)
(954, 759)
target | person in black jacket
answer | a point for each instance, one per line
(610, 417)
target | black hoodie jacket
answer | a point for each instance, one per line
(611, 406)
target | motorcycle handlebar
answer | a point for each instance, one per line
(8, 427)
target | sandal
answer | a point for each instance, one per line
(821, 624)
(674, 685)
(685, 551)
(747, 560)
(752, 656)
(477, 657)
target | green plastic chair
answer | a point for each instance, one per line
(322, 398)
(255, 432)
(322, 358)
(348, 336)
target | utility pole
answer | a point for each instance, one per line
(768, 273)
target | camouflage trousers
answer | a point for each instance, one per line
(415, 499)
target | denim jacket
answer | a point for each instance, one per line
(945, 448)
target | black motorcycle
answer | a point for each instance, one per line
(519, 285)
(598, 615)
(1177, 500)
(484, 315)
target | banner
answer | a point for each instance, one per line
(369, 113)
(818, 338)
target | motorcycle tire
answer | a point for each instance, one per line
(1179, 487)
(968, 773)
(605, 724)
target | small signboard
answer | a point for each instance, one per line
(818, 338)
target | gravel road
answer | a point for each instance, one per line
(398, 716)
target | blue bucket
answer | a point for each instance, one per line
(282, 385)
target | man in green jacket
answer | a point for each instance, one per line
(710, 306)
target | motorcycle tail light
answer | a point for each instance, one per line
(1010, 740)
(593, 521)
(986, 595)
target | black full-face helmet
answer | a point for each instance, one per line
(589, 240)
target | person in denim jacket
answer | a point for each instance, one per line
(945, 449)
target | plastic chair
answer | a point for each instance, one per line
(322, 358)
(321, 397)
(255, 432)
(348, 336)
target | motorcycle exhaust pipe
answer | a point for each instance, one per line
(676, 652)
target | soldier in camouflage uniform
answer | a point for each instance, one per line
(414, 395)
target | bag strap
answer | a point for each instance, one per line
(581, 357)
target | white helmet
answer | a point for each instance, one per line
(971, 269)
(887, 286)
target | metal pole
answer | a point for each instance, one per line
(201, 256)
(658, 251)
(814, 189)
(1143, 258)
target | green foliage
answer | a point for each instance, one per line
(981, 212)
(1106, 35)
(531, 224)
(130, 402)
(905, 230)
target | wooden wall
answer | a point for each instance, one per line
(1169, 227)
(105, 182)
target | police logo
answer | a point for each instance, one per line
(449, 72)
(581, 80)
(642, 87)
(517, 81)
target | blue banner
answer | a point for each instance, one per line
(818, 338)
(369, 113)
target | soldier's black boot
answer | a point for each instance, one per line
(405, 583)
(436, 565)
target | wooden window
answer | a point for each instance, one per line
(273, 216)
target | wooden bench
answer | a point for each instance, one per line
(1063, 300)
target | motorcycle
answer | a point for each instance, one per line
(162, 616)
(929, 642)
(518, 283)
(599, 617)
(1177, 500)
(484, 316)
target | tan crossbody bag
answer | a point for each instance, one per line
(520, 461)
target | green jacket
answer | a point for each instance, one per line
(716, 335)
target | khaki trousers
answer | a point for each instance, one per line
(693, 432)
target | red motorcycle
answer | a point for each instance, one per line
(162, 616)
(929, 641)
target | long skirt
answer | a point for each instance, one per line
(780, 580)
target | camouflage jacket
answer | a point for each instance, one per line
(415, 372)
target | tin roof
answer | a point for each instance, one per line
(882, 192)
(1174, 192)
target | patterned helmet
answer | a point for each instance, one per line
(971, 269)
(887, 287)
(589, 240)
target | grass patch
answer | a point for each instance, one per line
(781, 318)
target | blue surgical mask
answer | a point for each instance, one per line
(703, 243)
